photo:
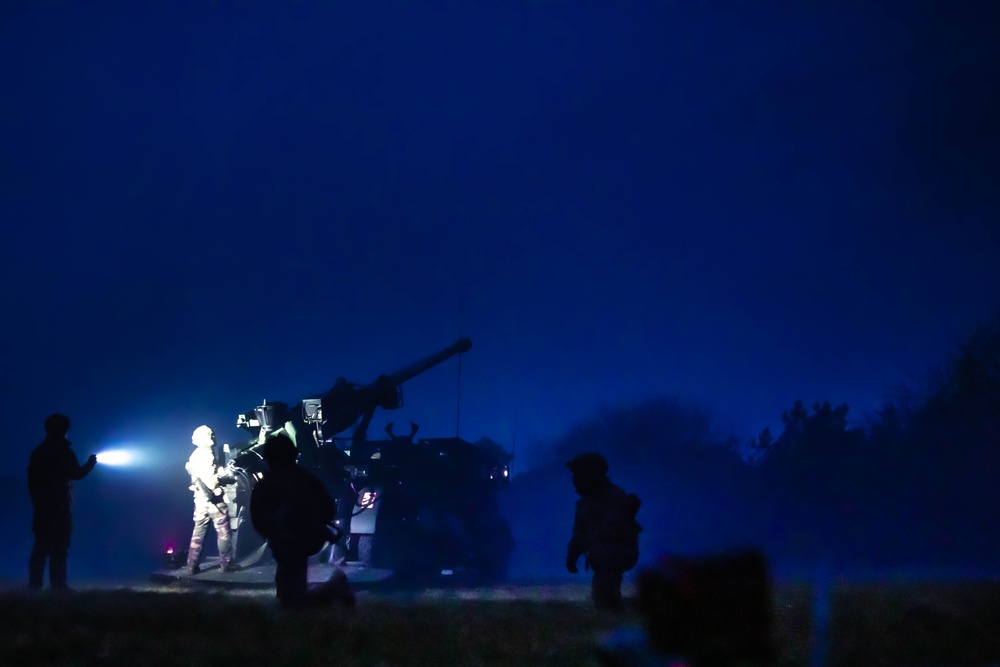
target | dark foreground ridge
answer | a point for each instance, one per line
(900, 622)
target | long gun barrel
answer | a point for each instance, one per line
(404, 374)
(345, 403)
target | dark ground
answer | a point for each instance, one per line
(903, 622)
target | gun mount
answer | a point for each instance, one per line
(345, 403)
(418, 507)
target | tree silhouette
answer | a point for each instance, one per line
(936, 448)
(813, 482)
(650, 432)
(759, 447)
(670, 452)
(914, 486)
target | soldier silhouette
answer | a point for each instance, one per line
(605, 531)
(51, 473)
(291, 508)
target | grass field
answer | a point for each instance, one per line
(870, 624)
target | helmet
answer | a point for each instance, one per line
(589, 463)
(57, 424)
(279, 450)
(203, 436)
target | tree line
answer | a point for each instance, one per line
(911, 485)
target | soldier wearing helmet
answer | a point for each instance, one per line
(51, 473)
(209, 502)
(292, 509)
(605, 530)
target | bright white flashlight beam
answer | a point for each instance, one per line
(116, 457)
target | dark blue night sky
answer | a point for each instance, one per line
(208, 204)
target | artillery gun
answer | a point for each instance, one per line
(411, 508)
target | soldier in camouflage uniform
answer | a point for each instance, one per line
(209, 502)
(605, 531)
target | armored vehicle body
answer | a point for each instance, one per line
(408, 508)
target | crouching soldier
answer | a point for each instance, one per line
(605, 530)
(291, 508)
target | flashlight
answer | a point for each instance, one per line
(116, 457)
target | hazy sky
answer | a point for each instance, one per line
(204, 205)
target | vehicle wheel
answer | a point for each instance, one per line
(365, 544)
(245, 539)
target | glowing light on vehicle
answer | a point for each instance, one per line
(116, 457)
(172, 559)
(367, 498)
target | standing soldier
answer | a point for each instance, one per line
(605, 531)
(209, 502)
(51, 473)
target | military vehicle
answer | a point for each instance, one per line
(408, 508)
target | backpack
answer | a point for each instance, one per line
(634, 503)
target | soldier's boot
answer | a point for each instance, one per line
(226, 562)
(224, 542)
(606, 590)
(336, 589)
(194, 555)
(36, 570)
(609, 604)
(57, 570)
